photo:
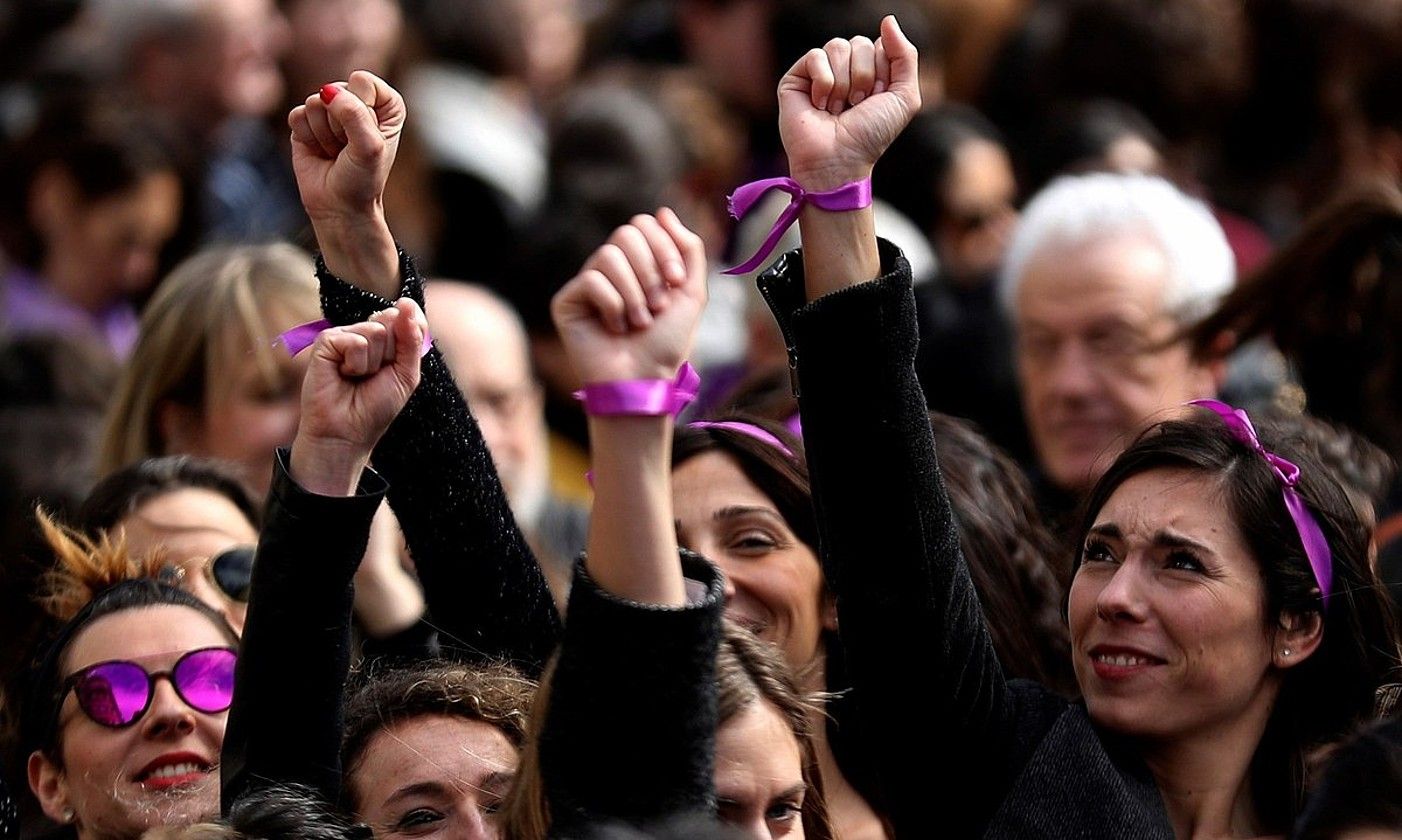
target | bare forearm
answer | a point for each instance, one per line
(632, 538)
(362, 252)
(839, 248)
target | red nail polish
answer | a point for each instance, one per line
(328, 93)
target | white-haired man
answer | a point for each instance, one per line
(1102, 274)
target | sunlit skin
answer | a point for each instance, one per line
(759, 774)
(1167, 615)
(1095, 353)
(434, 776)
(774, 584)
(189, 526)
(105, 775)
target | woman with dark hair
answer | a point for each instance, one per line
(1358, 794)
(1224, 620)
(194, 514)
(124, 714)
(93, 196)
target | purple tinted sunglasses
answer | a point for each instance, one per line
(117, 693)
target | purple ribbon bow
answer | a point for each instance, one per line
(1316, 546)
(850, 196)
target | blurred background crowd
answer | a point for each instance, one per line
(153, 245)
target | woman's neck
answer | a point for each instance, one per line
(852, 816)
(1205, 779)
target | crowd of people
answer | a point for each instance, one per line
(765, 419)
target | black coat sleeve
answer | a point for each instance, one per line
(630, 731)
(285, 724)
(486, 595)
(927, 684)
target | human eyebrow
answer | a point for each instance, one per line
(795, 792)
(498, 781)
(1169, 539)
(1109, 530)
(737, 511)
(417, 789)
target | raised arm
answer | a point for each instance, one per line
(633, 631)
(485, 592)
(296, 645)
(910, 621)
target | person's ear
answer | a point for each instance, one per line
(1296, 638)
(50, 786)
(829, 613)
(52, 199)
(1212, 365)
(181, 428)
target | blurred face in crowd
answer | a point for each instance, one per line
(979, 215)
(1095, 352)
(759, 774)
(434, 776)
(774, 584)
(252, 405)
(192, 527)
(160, 770)
(487, 352)
(334, 37)
(246, 38)
(1167, 612)
(101, 250)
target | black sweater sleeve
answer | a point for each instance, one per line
(486, 595)
(285, 724)
(630, 730)
(927, 682)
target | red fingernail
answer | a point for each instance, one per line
(328, 93)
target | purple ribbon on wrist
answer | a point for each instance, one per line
(853, 195)
(641, 397)
(1288, 474)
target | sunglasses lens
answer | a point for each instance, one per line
(233, 571)
(114, 693)
(205, 678)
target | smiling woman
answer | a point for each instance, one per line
(126, 714)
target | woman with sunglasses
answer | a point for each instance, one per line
(125, 714)
(1224, 620)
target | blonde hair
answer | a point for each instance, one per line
(85, 566)
(222, 298)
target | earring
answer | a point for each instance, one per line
(1285, 652)
(68, 815)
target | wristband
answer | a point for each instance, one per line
(641, 397)
(853, 195)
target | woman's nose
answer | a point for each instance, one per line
(1122, 597)
(169, 716)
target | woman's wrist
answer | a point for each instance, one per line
(361, 252)
(327, 467)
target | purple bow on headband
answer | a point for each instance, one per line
(1316, 547)
(747, 429)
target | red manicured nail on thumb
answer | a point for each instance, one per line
(328, 93)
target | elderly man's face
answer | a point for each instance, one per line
(1095, 355)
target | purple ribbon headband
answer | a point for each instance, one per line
(748, 429)
(850, 196)
(1288, 474)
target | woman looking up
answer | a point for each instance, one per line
(1224, 620)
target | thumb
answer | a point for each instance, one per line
(410, 330)
(904, 58)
